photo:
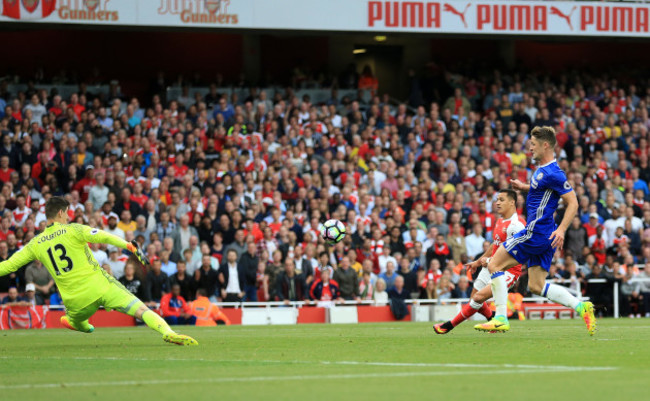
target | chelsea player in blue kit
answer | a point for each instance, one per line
(536, 244)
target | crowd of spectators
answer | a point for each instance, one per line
(227, 194)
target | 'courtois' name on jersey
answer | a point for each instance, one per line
(51, 236)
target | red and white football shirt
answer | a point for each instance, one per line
(503, 230)
(20, 216)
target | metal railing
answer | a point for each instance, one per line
(615, 289)
(64, 90)
(317, 96)
(301, 304)
(368, 302)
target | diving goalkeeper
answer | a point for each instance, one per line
(83, 284)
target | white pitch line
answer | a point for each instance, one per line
(581, 326)
(467, 365)
(319, 377)
(298, 362)
(115, 358)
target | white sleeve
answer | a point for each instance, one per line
(514, 228)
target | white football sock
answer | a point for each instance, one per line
(560, 295)
(500, 293)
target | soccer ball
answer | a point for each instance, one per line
(333, 231)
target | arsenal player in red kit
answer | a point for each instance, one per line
(508, 224)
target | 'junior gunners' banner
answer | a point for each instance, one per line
(23, 317)
(70, 11)
(539, 18)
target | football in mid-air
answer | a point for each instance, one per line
(333, 231)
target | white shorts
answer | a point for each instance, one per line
(484, 279)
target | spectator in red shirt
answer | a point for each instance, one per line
(275, 223)
(5, 227)
(598, 246)
(135, 178)
(16, 111)
(592, 226)
(501, 156)
(21, 212)
(56, 108)
(253, 229)
(84, 185)
(440, 251)
(179, 167)
(138, 197)
(367, 80)
(5, 170)
(174, 308)
(76, 107)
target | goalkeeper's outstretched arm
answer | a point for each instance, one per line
(17, 260)
(83, 233)
(97, 236)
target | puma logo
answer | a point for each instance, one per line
(449, 8)
(566, 17)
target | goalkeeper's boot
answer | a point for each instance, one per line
(443, 328)
(586, 311)
(179, 339)
(66, 323)
(497, 324)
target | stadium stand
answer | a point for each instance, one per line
(196, 171)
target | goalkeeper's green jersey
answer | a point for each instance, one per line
(63, 250)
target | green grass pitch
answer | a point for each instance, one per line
(536, 360)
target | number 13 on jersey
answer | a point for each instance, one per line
(62, 257)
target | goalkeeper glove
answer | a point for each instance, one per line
(135, 249)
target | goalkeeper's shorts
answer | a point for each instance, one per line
(116, 298)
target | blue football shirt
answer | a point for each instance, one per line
(547, 185)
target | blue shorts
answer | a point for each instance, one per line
(531, 249)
